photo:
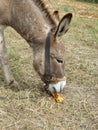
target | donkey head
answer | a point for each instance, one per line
(52, 58)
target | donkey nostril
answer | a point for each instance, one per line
(60, 61)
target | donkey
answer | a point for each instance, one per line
(42, 31)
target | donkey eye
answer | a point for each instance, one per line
(59, 61)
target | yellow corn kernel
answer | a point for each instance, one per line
(57, 97)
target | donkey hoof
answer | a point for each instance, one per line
(14, 85)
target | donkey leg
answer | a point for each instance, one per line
(4, 61)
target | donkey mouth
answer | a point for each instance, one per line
(56, 87)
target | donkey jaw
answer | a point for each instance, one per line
(56, 87)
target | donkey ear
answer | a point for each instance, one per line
(63, 25)
(56, 15)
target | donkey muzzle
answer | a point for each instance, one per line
(56, 87)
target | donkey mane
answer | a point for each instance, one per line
(45, 11)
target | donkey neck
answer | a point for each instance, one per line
(28, 19)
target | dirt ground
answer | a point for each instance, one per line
(32, 108)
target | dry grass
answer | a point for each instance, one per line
(31, 108)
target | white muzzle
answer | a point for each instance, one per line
(56, 88)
